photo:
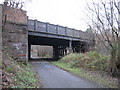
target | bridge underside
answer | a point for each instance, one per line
(61, 47)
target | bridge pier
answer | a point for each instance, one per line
(62, 51)
(29, 51)
(14, 32)
(55, 52)
(65, 50)
(59, 51)
(70, 46)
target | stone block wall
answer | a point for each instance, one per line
(14, 15)
(15, 33)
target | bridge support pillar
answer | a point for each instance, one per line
(29, 51)
(65, 50)
(62, 53)
(15, 32)
(55, 52)
(70, 46)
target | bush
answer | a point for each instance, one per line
(90, 60)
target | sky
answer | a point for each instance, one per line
(68, 13)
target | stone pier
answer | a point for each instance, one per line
(15, 32)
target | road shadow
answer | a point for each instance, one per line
(42, 59)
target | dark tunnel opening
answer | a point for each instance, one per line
(60, 47)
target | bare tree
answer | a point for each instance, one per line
(105, 23)
(16, 3)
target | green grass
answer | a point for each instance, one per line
(86, 65)
(67, 67)
(88, 60)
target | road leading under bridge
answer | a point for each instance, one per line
(54, 77)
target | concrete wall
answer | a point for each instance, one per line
(15, 34)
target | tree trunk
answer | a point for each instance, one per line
(113, 63)
(118, 65)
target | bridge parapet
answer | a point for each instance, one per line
(37, 26)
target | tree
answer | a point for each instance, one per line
(106, 25)
(16, 3)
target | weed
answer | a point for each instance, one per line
(19, 74)
(9, 69)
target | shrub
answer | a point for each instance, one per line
(90, 60)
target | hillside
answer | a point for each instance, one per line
(17, 74)
(90, 65)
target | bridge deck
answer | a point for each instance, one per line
(38, 28)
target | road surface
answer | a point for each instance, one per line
(54, 77)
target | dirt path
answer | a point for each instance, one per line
(54, 77)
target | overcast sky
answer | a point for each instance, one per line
(68, 13)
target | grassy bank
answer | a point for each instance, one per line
(91, 65)
(17, 74)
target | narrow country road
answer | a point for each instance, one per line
(54, 77)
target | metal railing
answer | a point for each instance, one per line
(34, 25)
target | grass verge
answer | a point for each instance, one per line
(88, 74)
(18, 74)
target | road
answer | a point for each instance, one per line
(54, 77)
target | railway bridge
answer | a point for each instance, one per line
(60, 37)
(19, 33)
